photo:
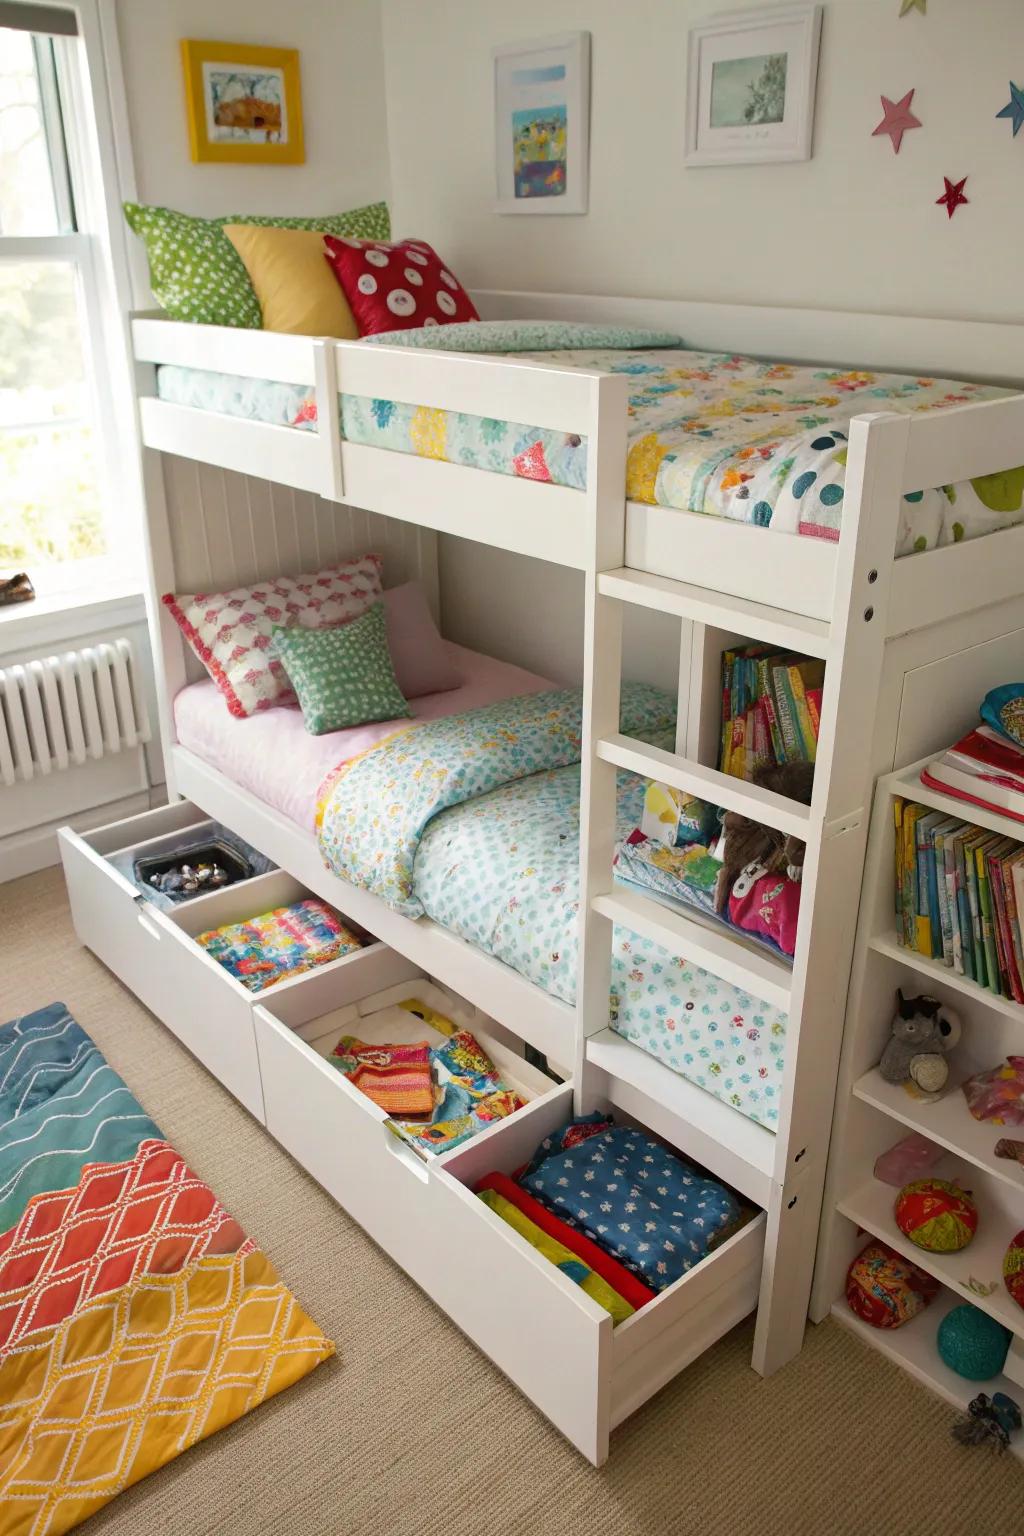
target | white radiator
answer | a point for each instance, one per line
(60, 711)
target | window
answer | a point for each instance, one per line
(57, 470)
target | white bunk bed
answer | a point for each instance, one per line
(882, 627)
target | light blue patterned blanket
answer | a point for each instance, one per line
(373, 810)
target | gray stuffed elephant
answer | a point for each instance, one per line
(923, 1032)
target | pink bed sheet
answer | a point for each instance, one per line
(273, 755)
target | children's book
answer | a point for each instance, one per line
(929, 934)
(946, 828)
(963, 906)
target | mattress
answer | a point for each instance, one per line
(274, 757)
(728, 436)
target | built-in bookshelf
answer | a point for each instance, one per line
(872, 1115)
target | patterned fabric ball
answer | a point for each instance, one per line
(885, 1289)
(936, 1215)
(972, 1343)
(1013, 1268)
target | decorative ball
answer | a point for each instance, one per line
(972, 1343)
(936, 1215)
(885, 1289)
(1013, 1268)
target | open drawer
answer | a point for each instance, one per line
(154, 951)
(552, 1340)
(332, 1128)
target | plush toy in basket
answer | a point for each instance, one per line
(924, 1031)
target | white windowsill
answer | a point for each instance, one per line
(101, 598)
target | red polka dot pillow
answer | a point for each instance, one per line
(231, 632)
(396, 287)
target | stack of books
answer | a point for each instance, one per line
(960, 897)
(771, 709)
(983, 767)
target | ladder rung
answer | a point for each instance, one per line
(761, 805)
(729, 958)
(776, 626)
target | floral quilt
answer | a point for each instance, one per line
(715, 433)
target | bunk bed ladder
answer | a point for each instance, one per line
(782, 1172)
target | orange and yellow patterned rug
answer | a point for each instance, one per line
(136, 1317)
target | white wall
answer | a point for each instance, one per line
(854, 228)
(339, 43)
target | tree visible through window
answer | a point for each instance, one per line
(51, 469)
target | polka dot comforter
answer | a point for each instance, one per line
(728, 436)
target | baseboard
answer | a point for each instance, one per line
(22, 853)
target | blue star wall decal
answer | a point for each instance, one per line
(1014, 108)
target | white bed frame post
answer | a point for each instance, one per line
(832, 871)
(602, 686)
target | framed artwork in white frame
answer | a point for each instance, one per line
(542, 124)
(751, 82)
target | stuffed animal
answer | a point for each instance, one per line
(746, 844)
(923, 1032)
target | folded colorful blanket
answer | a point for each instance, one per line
(556, 1253)
(469, 1094)
(284, 942)
(396, 1077)
(656, 1213)
(621, 1280)
(136, 1317)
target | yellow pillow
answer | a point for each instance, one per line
(296, 288)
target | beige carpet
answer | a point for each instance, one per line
(410, 1431)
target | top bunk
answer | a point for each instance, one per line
(414, 434)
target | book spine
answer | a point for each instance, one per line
(1013, 907)
(942, 897)
(988, 937)
(980, 962)
(778, 749)
(814, 696)
(727, 661)
(923, 926)
(910, 815)
(963, 907)
(808, 739)
(952, 911)
(999, 930)
(998, 880)
(787, 720)
(897, 813)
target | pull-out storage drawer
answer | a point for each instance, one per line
(533, 1321)
(153, 951)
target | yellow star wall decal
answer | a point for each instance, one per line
(907, 6)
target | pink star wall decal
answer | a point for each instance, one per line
(897, 119)
(953, 195)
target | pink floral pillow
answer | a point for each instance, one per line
(231, 632)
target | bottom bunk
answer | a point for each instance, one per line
(498, 870)
(589, 1321)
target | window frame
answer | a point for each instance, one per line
(90, 101)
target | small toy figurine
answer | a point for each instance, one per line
(923, 1032)
(992, 1420)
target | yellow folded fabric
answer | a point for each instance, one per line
(556, 1253)
(296, 289)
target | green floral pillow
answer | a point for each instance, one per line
(196, 273)
(342, 676)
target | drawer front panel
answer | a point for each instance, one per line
(342, 1138)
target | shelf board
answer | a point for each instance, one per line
(871, 1207)
(721, 789)
(907, 784)
(684, 931)
(913, 1347)
(945, 976)
(730, 1144)
(776, 626)
(947, 1121)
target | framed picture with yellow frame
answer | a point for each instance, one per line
(244, 103)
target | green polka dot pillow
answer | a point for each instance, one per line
(196, 273)
(342, 676)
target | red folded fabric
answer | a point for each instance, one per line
(628, 1285)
